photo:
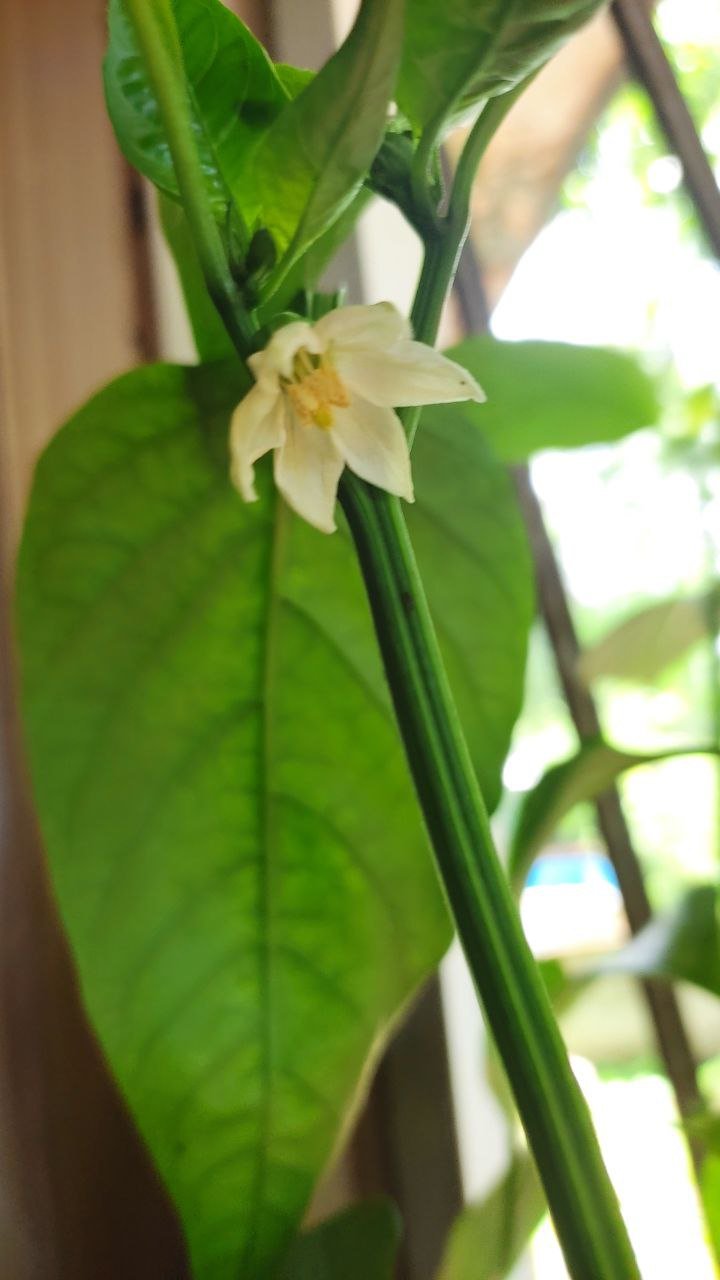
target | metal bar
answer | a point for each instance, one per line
(653, 68)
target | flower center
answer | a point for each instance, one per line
(315, 389)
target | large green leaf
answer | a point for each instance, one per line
(233, 836)
(592, 770)
(461, 51)
(551, 395)
(233, 90)
(682, 945)
(313, 159)
(642, 645)
(358, 1244)
(488, 1238)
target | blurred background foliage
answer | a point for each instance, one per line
(639, 521)
(636, 527)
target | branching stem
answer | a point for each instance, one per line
(444, 245)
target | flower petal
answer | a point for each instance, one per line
(277, 357)
(374, 446)
(307, 471)
(409, 373)
(369, 328)
(257, 425)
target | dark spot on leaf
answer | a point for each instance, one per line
(256, 112)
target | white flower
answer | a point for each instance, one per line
(323, 399)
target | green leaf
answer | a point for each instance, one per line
(391, 176)
(594, 769)
(704, 1124)
(233, 90)
(357, 1244)
(462, 51)
(641, 646)
(487, 1239)
(233, 836)
(682, 945)
(209, 333)
(314, 158)
(552, 395)
(308, 270)
(710, 1192)
(560, 989)
(293, 79)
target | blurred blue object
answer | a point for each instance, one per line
(576, 867)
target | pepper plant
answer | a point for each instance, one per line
(217, 690)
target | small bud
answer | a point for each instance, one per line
(261, 255)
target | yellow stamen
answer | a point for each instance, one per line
(316, 388)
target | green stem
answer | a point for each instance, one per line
(158, 39)
(553, 1111)
(444, 246)
(551, 1106)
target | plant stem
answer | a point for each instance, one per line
(549, 1101)
(157, 36)
(442, 248)
(444, 245)
(507, 980)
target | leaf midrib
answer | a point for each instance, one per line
(507, 13)
(358, 75)
(266, 828)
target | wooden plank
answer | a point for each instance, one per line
(77, 1194)
(67, 314)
